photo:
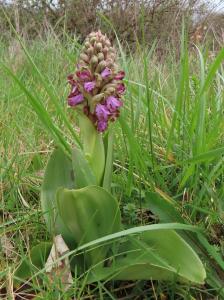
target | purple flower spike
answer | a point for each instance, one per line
(106, 73)
(120, 88)
(73, 101)
(97, 87)
(83, 75)
(102, 126)
(89, 86)
(102, 112)
(120, 75)
(113, 103)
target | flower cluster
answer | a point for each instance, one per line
(96, 86)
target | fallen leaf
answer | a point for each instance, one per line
(59, 269)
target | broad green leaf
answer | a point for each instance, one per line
(84, 175)
(167, 212)
(156, 254)
(89, 213)
(59, 173)
(164, 209)
(32, 263)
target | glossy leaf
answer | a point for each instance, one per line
(156, 254)
(163, 208)
(89, 213)
(167, 212)
(59, 173)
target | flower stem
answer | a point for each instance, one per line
(93, 147)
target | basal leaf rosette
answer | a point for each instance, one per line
(97, 85)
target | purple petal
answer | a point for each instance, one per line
(102, 112)
(120, 75)
(106, 72)
(89, 86)
(102, 126)
(74, 89)
(73, 101)
(120, 88)
(83, 75)
(113, 103)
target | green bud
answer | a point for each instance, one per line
(98, 80)
(98, 47)
(109, 91)
(84, 57)
(90, 51)
(100, 56)
(109, 86)
(93, 40)
(101, 66)
(98, 98)
(94, 60)
(87, 44)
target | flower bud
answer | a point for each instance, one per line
(100, 56)
(98, 80)
(109, 91)
(93, 40)
(93, 61)
(109, 85)
(84, 57)
(98, 47)
(87, 45)
(98, 97)
(101, 66)
(90, 51)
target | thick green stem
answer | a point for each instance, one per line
(93, 147)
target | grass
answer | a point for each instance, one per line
(169, 139)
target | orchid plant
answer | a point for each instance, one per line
(76, 194)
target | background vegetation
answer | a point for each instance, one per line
(169, 138)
